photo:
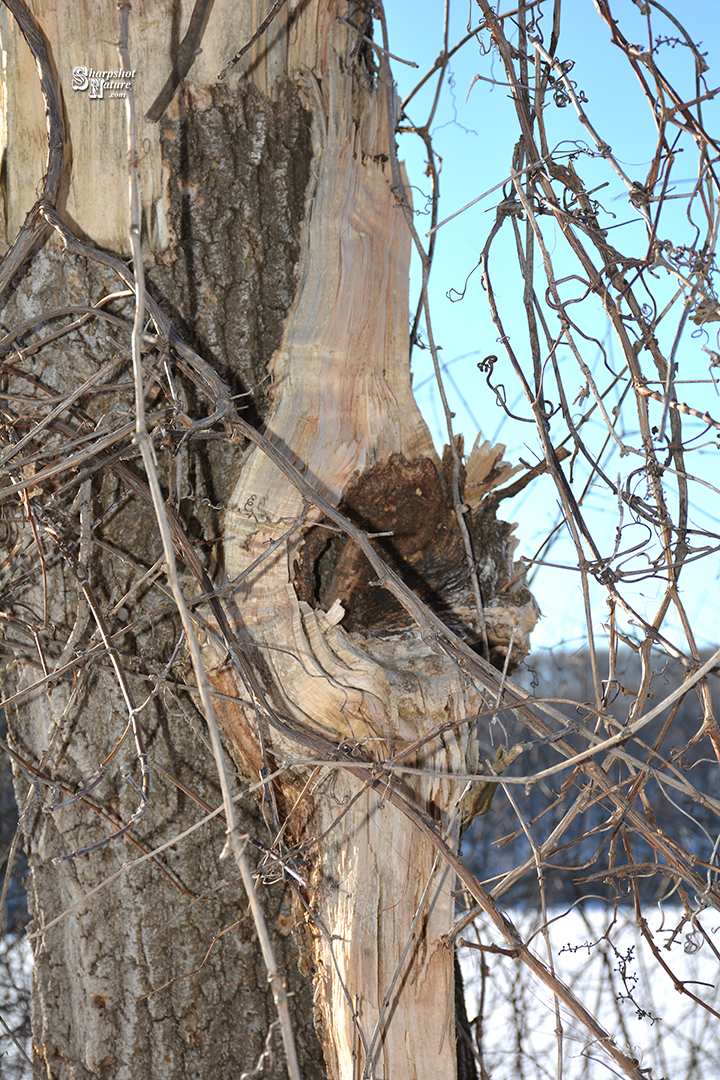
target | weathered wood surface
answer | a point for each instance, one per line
(94, 193)
(343, 409)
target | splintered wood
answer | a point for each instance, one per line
(337, 657)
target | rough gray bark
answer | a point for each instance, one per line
(238, 165)
(122, 987)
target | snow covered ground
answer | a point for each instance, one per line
(15, 972)
(618, 978)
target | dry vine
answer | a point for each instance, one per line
(77, 451)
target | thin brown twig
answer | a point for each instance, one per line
(184, 58)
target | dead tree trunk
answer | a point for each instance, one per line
(343, 411)
(342, 678)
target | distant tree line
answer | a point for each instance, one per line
(14, 916)
(571, 871)
(582, 853)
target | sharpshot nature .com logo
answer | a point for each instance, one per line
(114, 83)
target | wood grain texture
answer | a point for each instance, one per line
(94, 195)
(342, 409)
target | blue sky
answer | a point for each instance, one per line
(474, 138)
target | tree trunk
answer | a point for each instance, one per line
(137, 980)
(123, 986)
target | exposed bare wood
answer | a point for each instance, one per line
(342, 409)
(95, 192)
